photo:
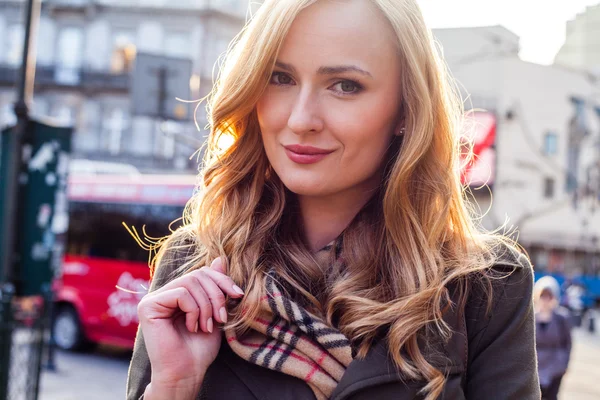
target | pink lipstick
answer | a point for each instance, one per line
(306, 154)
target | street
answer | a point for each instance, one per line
(98, 375)
(102, 374)
(582, 381)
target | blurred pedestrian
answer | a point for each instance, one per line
(553, 337)
(574, 295)
(339, 213)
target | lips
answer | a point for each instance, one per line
(306, 154)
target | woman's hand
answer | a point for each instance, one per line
(179, 326)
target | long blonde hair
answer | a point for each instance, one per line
(400, 253)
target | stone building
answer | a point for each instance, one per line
(542, 162)
(581, 49)
(86, 50)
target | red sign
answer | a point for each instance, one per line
(479, 131)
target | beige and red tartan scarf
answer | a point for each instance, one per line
(286, 338)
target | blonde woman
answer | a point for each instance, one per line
(329, 252)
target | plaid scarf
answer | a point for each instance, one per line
(287, 338)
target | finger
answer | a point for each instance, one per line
(175, 283)
(195, 286)
(166, 304)
(215, 295)
(219, 265)
(225, 283)
(190, 282)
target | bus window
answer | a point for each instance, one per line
(96, 230)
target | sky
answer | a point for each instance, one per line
(541, 24)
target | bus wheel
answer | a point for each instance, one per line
(66, 330)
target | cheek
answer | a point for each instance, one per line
(272, 113)
(367, 133)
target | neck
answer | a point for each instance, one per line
(324, 218)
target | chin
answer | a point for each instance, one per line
(306, 187)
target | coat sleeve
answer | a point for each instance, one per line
(565, 343)
(139, 369)
(502, 362)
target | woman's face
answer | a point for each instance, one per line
(547, 301)
(331, 108)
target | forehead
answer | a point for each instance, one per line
(338, 32)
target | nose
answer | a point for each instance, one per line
(306, 115)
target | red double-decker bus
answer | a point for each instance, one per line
(105, 272)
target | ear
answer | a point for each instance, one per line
(400, 129)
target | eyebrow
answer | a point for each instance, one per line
(332, 70)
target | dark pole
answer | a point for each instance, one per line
(9, 259)
(161, 74)
(27, 73)
(12, 192)
(16, 174)
(162, 91)
(6, 325)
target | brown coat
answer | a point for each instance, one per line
(489, 356)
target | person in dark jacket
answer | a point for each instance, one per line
(329, 252)
(553, 337)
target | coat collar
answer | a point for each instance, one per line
(375, 369)
(378, 367)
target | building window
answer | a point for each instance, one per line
(164, 139)
(88, 137)
(14, 44)
(70, 49)
(548, 188)
(114, 124)
(550, 144)
(124, 52)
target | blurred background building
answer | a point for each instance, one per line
(537, 142)
(582, 45)
(86, 50)
(538, 128)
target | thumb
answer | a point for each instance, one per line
(219, 265)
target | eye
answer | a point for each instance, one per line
(347, 87)
(281, 78)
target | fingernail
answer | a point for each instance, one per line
(237, 289)
(223, 314)
(196, 327)
(215, 262)
(209, 325)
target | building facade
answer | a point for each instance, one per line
(581, 49)
(544, 175)
(86, 50)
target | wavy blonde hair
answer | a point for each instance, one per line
(400, 253)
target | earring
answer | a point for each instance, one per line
(401, 132)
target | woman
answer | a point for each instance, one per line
(553, 337)
(338, 213)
